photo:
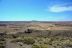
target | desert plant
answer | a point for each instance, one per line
(28, 40)
(35, 46)
(40, 46)
(2, 46)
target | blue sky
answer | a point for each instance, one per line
(40, 10)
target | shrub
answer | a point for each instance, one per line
(40, 46)
(35, 46)
(2, 46)
(25, 40)
(67, 46)
(28, 40)
(2, 39)
(44, 46)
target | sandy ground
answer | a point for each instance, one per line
(16, 45)
(11, 45)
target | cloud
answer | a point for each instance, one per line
(58, 8)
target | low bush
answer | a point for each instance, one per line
(28, 40)
(25, 40)
(35, 46)
(2, 46)
(40, 46)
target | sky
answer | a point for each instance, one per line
(40, 10)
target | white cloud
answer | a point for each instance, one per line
(57, 8)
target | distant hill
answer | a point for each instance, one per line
(35, 21)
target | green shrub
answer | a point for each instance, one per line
(25, 40)
(35, 46)
(40, 46)
(28, 40)
(2, 46)
(2, 39)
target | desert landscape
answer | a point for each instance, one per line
(35, 34)
(35, 23)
